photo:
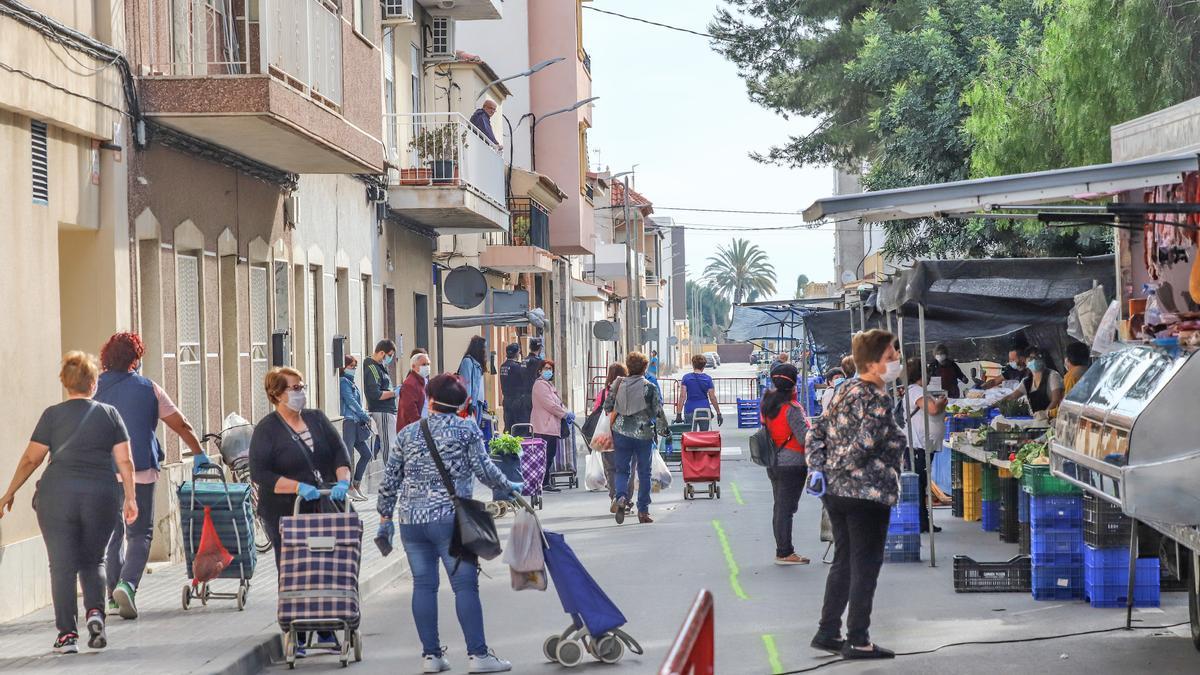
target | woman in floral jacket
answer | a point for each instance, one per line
(857, 448)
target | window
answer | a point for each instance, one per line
(583, 159)
(260, 337)
(312, 337)
(421, 320)
(389, 93)
(190, 355)
(40, 162)
(282, 320)
(360, 16)
(367, 346)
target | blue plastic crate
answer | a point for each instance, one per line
(1057, 583)
(1057, 559)
(1110, 596)
(1056, 512)
(902, 556)
(906, 512)
(1056, 547)
(910, 487)
(956, 424)
(896, 543)
(1023, 506)
(1106, 578)
(991, 515)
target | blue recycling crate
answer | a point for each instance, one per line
(902, 548)
(910, 487)
(1106, 579)
(1052, 582)
(747, 413)
(1056, 512)
(991, 515)
(905, 518)
(956, 424)
(1023, 507)
(1057, 547)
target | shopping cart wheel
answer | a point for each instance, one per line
(289, 648)
(356, 638)
(241, 597)
(688, 491)
(204, 594)
(712, 490)
(718, 489)
(494, 509)
(187, 596)
(570, 653)
(550, 648)
(609, 649)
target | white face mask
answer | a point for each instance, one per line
(296, 400)
(941, 358)
(893, 371)
(423, 371)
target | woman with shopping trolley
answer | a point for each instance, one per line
(294, 453)
(697, 392)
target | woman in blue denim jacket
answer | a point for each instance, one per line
(414, 490)
(356, 425)
(471, 370)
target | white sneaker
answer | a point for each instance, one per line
(356, 495)
(488, 663)
(435, 664)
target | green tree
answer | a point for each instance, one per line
(739, 269)
(801, 285)
(708, 313)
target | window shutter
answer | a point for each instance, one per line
(40, 162)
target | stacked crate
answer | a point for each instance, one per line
(1024, 533)
(972, 481)
(957, 424)
(1106, 534)
(1010, 497)
(747, 413)
(989, 507)
(1056, 543)
(904, 530)
(956, 485)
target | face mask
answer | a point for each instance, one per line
(1014, 365)
(547, 374)
(387, 360)
(1036, 366)
(892, 372)
(941, 358)
(350, 372)
(839, 381)
(423, 371)
(296, 400)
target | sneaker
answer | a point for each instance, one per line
(825, 644)
(327, 641)
(487, 663)
(792, 559)
(620, 512)
(113, 606)
(434, 663)
(124, 594)
(356, 494)
(67, 643)
(871, 651)
(95, 625)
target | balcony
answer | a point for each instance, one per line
(610, 262)
(444, 174)
(530, 238)
(652, 292)
(262, 78)
(466, 10)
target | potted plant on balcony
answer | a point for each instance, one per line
(438, 146)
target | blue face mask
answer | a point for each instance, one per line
(547, 374)
(387, 360)
(350, 372)
(1036, 366)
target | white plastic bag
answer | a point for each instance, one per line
(523, 555)
(659, 473)
(602, 439)
(594, 479)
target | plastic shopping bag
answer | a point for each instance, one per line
(659, 473)
(211, 555)
(594, 479)
(602, 439)
(523, 555)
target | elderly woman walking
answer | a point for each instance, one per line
(855, 451)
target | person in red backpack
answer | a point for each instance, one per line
(784, 417)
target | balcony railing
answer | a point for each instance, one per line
(299, 42)
(530, 223)
(443, 149)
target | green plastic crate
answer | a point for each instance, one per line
(1037, 481)
(992, 490)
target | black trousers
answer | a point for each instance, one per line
(859, 533)
(127, 564)
(77, 518)
(922, 471)
(787, 484)
(551, 451)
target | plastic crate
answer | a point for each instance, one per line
(956, 509)
(972, 478)
(1022, 506)
(990, 515)
(1003, 443)
(1057, 582)
(1056, 547)
(910, 487)
(1106, 578)
(1024, 537)
(956, 463)
(1037, 481)
(1056, 512)
(972, 507)
(1015, 574)
(956, 424)
(906, 519)
(1104, 525)
(902, 548)
(1010, 527)
(991, 483)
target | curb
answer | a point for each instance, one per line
(252, 655)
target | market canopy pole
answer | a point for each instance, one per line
(925, 450)
(907, 414)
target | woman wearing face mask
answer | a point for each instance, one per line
(855, 452)
(471, 370)
(356, 425)
(294, 452)
(547, 417)
(945, 367)
(1043, 386)
(833, 379)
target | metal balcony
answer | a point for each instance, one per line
(466, 10)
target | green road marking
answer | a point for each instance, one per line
(737, 494)
(772, 653)
(733, 566)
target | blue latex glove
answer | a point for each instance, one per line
(200, 462)
(387, 530)
(570, 418)
(816, 484)
(516, 486)
(307, 492)
(338, 493)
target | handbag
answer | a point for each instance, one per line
(66, 444)
(474, 528)
(763, 450)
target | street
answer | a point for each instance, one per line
(653, 572)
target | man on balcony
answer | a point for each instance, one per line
(482, 120)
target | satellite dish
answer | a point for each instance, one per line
(604, 331)
(465, 287)
(848, 277)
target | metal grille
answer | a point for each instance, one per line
(329, 317)
(40, 162)
(529, 222)
(190, 355)
(259, 337)
(356, 318)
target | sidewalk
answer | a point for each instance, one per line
(167, 639)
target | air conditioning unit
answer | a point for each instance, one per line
(397, 12)
(441, 37)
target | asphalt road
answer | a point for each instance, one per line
(766, 615)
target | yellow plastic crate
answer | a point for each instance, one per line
(972, 477)
(1004, 473)
(972, 506)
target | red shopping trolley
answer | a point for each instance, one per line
(701, 462)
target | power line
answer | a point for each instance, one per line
(686, 208)
(660, 25)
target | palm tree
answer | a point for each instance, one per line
(740, 269)
(801, 286)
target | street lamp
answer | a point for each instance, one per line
(535, 120)
(524, 73)
(633, 310)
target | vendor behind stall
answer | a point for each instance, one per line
(1079, 357)
(1015, 370)
(1043, 386)
(947, 369)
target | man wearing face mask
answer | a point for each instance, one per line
(514, 383)
(412, 392)
(947, 369)
(381, 396)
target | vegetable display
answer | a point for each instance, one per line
(504, 444)
(1033, 453)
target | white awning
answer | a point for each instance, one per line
(1084, 182)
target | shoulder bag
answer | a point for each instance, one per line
(474, 528)
(67, 443)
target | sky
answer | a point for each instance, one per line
(678, 110)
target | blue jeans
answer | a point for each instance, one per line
(626, 450)
(424, 545)
(356, 434)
